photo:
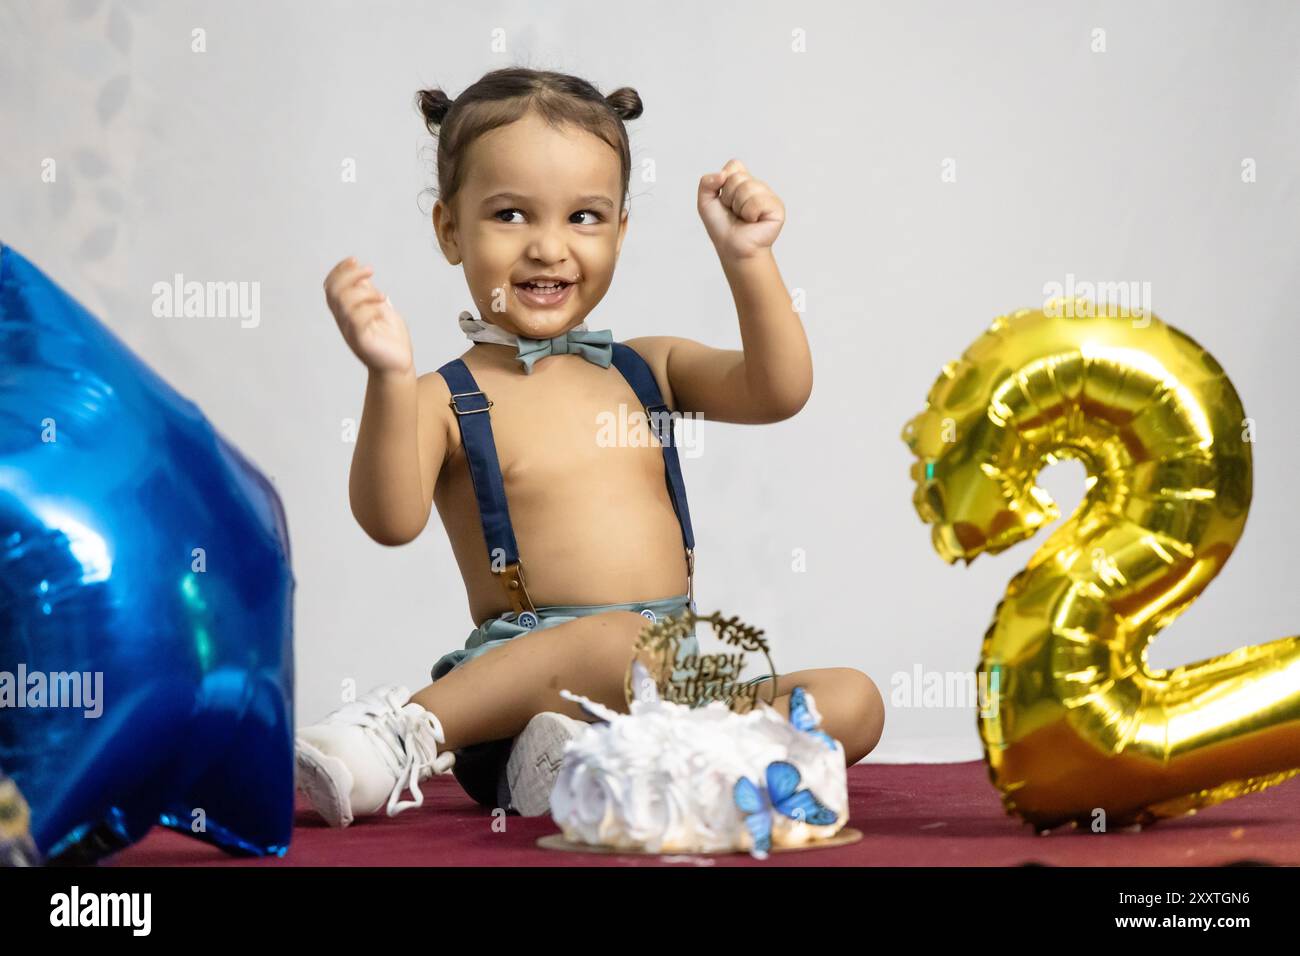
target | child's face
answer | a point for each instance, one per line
(562, 218)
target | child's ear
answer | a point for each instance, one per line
(444, 228)
(622, 231)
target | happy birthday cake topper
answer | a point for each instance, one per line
(695, 678)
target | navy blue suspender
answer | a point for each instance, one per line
(471, 407)
(634, 368)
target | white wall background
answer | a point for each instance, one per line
(1123, 165)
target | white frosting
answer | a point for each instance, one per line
(662, 778)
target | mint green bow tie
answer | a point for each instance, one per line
(593, 345)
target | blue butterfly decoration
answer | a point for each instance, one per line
(804, 716)
(781, 795)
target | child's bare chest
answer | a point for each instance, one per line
(583, 475)
(569, 425)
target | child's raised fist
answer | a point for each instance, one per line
(741, 214)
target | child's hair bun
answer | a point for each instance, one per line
(434, 104)
(625, 102)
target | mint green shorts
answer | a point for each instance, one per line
(480, 768)
(496, 631)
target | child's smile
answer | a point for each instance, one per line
(544, 293)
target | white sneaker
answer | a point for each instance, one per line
(535, 761)
(359, 758)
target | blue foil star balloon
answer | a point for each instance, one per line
(146, 631)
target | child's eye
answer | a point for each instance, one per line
(582, 212)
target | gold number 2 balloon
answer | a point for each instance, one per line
(1078, 725)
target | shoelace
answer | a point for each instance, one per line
(421, 732)
(408, 735)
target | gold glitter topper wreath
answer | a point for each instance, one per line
(699, 679)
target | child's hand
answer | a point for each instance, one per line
(369, 323)
(741, 214)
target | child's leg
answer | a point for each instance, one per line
(360, 759)
(493, 696)
(848, 700)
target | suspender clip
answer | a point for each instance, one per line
(512, 578)
(690, 576)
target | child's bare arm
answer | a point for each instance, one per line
(770, 379)
(730, 385)
(401, 447)
(402, 440)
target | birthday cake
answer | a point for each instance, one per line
(669, 778)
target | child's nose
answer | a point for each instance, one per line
(548, 244)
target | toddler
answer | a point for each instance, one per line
(533, 174)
